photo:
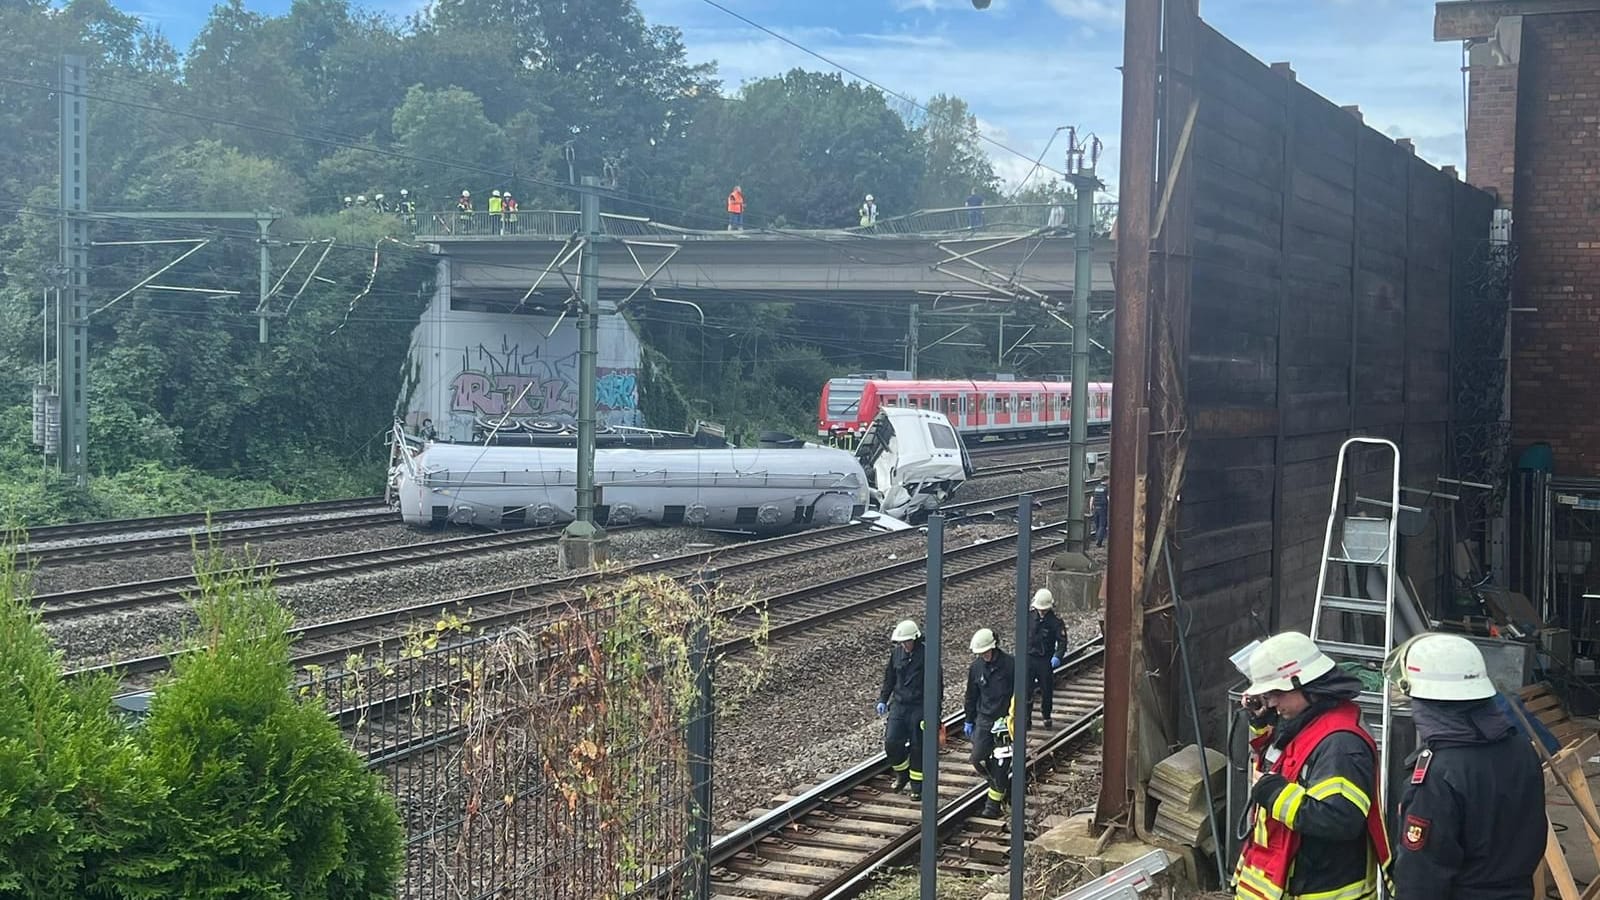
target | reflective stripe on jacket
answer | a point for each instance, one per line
(1338, 811)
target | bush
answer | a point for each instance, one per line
(77, 798)
(268, 798)
(231, 789)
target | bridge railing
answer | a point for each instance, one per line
(545, 223)
(995, 219)
(988, 219)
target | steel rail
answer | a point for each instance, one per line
(850, 881)
(106, 598)
(76, 530)
(93, 552)
(777, 604)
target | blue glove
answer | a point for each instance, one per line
(883, 709)
(1055, 662)
(967, 729)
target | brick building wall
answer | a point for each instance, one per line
(1555, 367)
(1491, 124)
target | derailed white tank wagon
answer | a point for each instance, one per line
(748, 489)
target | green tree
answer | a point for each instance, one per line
(806, 147)
(79, 803)
(954, 163)
(449, 124)
(269, 801)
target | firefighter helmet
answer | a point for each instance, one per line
(907, 630)
(982, 640)
(1043, 599)
(1286, 662)
(1440, 667)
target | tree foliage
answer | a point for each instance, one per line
(294, 111)
(232, 788)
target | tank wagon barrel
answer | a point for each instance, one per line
(757, 489)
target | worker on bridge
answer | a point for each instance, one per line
(900, 699)
(1469, 815)
(736, 209)
(991, 683)
(1047, 643)
(1317, 818)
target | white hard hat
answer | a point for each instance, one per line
(466, 193)
(982, 640)
(907, 630)
(404, 192)
(1043, 599)
(869, 196)
(1440, 667)
(377, 196)
(494, 193)
(361, 198)
(347, 198)
(1285, 662)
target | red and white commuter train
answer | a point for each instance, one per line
(975, 408)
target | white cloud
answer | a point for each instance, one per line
(1103, 13)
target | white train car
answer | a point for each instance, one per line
(761, 490)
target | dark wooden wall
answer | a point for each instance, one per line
(1323, 258)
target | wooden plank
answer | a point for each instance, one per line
(1556, 861)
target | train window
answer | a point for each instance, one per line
(944, 437)
(952, 405)
(844, 398)
(1026, 403)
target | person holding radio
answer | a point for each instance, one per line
(1316, 821)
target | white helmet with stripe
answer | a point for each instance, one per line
(1286, 662)
(1440, 667)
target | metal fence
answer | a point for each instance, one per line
(545, 761)
(1009, 218)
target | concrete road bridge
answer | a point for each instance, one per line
(494, 340)
(922, 257)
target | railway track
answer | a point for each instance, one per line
(80, 530)
(835, 839)
(155, 591)
(369, 635)
(138, 546)
(394, 725)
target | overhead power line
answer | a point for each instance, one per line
(860, 77)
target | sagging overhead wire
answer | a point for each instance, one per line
(377, 248)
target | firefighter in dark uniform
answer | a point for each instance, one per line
(1046, 644)
(1316, 818)
(1469, 815)
(901, 700)
(990, 684)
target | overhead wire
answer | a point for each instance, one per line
(857, 75)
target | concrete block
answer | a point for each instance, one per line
(1075, 582)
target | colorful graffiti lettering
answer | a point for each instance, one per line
(617, 389)
(524, 384)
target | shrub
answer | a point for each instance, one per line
(77, 798)
(268, 799)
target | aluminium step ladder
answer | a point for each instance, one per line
(1355, 612)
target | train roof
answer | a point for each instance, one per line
(997, 386)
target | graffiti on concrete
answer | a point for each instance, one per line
(524, 383)
(492, 383)
(617, 389)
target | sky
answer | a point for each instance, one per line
(1026, 67)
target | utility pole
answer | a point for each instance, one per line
(911, 340)
(1084, 183)
(72, 298)
(266, 270)
(584, 542)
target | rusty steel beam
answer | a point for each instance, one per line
(1458, 20)
(1141, 48)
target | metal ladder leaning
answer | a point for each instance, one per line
(1354, 546)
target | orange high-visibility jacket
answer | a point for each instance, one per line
(736, 201)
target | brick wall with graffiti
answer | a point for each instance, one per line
(468, 366)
